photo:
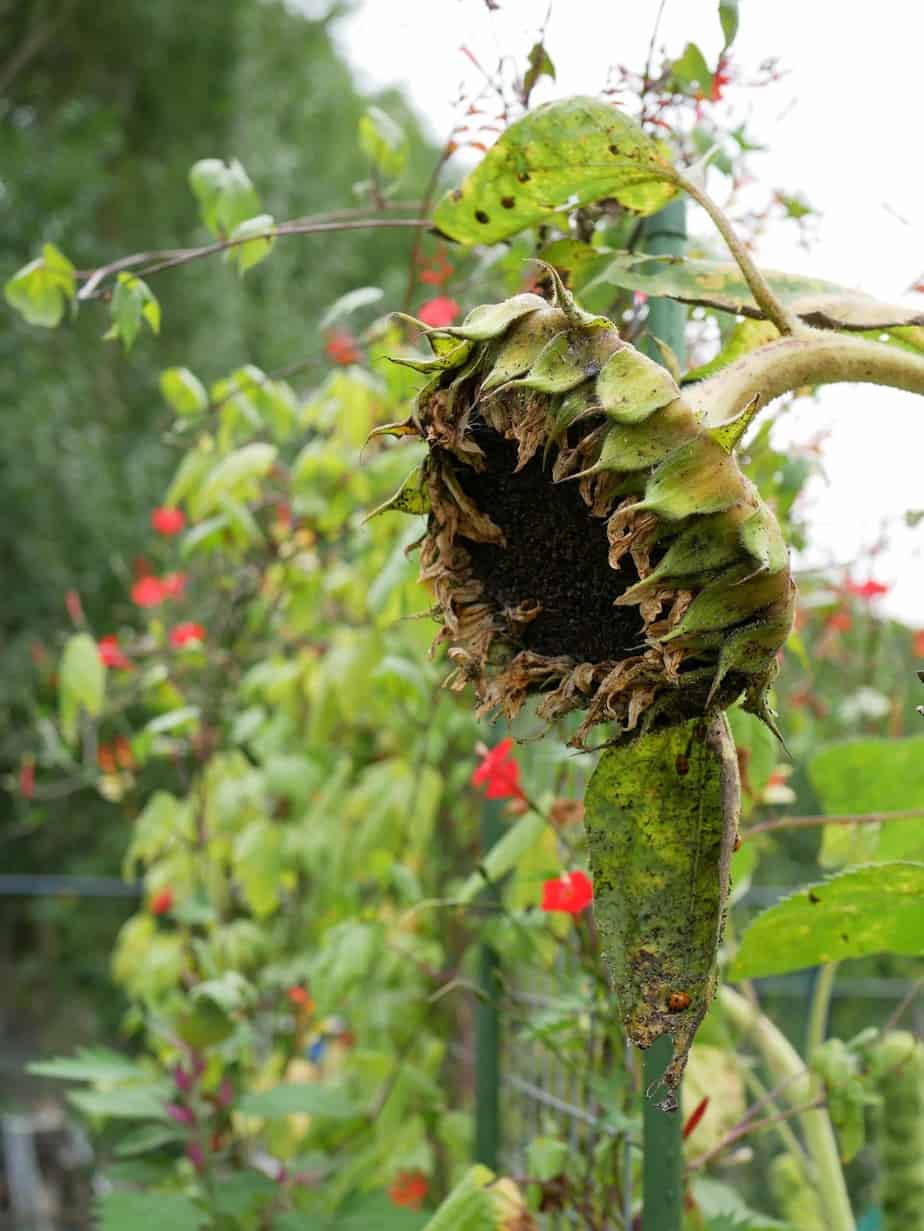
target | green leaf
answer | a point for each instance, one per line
(300, 1098)
(251, 253)
(225, 194)
(148, 1137)
(237, 473)
(205, 1024)
(90, 1064)
(123, 1102)
(139, 1211)
(383, 140)
(870, 775)
(81, 682)
(659, 850)
(561, 155)
(691, 72)
(258, 865)
(540, 65)
(716, 284)
(361, 1212)
(183, 391)
(41, 290)
(728, 17)
(132, 302)
(875, 909)
(243, 1193)
(352, 301)
(504, 855)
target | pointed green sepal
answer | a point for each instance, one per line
(698, 477)
(570, 358)
(411, 497)
(729, 434)
(631, 386)
(490, 320)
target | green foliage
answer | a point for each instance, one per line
(560, 155)
(135, 1211)
(81, 683)
(870, 775)
(132, 302)
(383, 141)
(866, 910)
(42, 290)
(226, 196)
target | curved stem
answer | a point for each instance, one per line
(815, 357)
(818, 1009)
(774, 309)
(787, 1065)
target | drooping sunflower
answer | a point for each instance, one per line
(591, 540)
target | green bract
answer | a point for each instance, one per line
(588, 537)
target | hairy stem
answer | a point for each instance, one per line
(786, 1064)
(815, 357)
(774, 310)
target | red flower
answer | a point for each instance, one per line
(917, 643)
(438, 312)
(437, 273)
(174, 584)
(571, 892)
(720, 79)
(409, 1188)
(148, 592)
(110, 655)
(499, 772)
(167, 520)
(839, 622)
(298, 996)
(161, 902)
(186, 632)
(342, 347)
(695, 1116)
(866, 590)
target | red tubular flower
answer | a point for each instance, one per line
(499, 773)
(342, 347)
(720, 79)
(148, 592)
(109, 653)
(409, 1188)
(167, 520)
(695, 1116)
(186, 632)
(571, 892)
(839, 622)
(438, 312)
(867, 590)
(161, 902)
(917, 643)
(298, 996)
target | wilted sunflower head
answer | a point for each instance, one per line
(589, 540)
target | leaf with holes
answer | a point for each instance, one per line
(564, 154)
(875, 909)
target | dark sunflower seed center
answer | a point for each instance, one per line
(556, 554)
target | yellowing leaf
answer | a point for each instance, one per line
(564, 154)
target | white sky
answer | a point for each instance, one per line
(843, 129)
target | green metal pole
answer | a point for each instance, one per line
(487, 1016)
(662, 1131)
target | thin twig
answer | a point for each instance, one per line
(744, 1130)
(903, 1004)
(154, 262)
(808, 822)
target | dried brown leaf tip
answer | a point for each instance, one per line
(589, 541)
